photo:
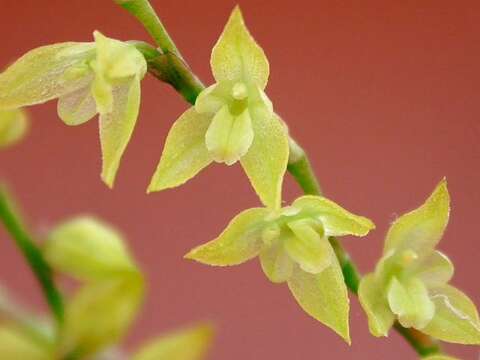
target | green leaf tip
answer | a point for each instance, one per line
(292, 245)
(410, 282)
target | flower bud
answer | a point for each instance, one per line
(88, 249)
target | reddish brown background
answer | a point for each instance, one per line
(384, 96)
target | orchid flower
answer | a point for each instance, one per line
(411, 281)
(87, 78)
(232, 120)
(293, 247)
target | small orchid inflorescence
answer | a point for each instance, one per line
(232, 121)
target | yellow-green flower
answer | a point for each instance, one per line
(13, 126)
(410, 282)
(232, 120)
(100, 311)
(97, 314)
(191, 343)
(88, 78)
(293, 247)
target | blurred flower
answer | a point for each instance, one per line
(191, 343)
(102, 310)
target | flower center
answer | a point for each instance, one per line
(239, 91)
(407, 257)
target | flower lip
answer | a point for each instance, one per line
(270, 234)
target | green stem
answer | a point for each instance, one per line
(423, 344)
(144, 13)
(172, 70)
(32, 254)
(299, 166)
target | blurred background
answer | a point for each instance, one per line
(384, 95)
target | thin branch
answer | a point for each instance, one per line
(144, 13)
(11, 220)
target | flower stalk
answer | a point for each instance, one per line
(42, 271)
(170, 67)
(144, 12)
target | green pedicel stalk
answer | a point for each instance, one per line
(32, 254)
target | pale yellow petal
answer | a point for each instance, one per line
(237, 57)
(116, 127)
(41, 74)
(185, 153)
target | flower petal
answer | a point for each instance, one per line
(13, 126)
(456, 318)
(239, 242)
(440, 357)
(259, 105)
(102, 92)
(191, 343)
(116, 127)
(77, 107)
(375, 305)
(18, 343)
(266, 161)
(213, 98)
(409, 300)
(218, 133)
(323, 296)
(237, 57)
(435, 270)
(40, 74)
(336, 220)
(88, 249)
(307, 247)
(117, 59)
(100, 314)
(276, 263)
(185, 153)
(422, 228)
